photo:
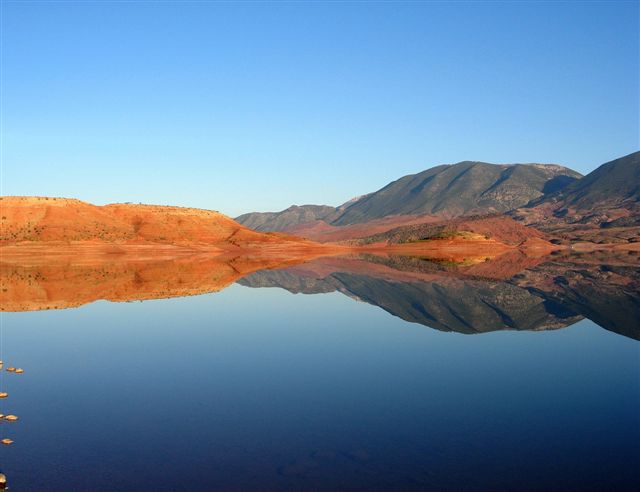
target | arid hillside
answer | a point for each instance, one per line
(322, 232)
(495, 226)
(32, 221)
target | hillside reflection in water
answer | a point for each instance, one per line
(513, 291)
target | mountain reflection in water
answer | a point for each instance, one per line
(552, 294)
(511, 292)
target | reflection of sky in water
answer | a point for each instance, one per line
(260, 389)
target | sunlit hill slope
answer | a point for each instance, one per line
(34, 220)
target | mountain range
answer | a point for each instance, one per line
(544, 196)
(442, 191)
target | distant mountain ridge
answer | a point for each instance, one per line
(447, 190)
(279, 221)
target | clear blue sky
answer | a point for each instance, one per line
(255, 106)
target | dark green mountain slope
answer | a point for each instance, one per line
(459, 189)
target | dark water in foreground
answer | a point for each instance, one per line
(262, 389)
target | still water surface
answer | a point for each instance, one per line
(263, 389)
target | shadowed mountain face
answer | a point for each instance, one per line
(447, 190)
(614, 184)
(607, 199)
(548, 296)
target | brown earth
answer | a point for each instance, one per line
(533, 229)
(322, 232)
(499, 228)
(48, 225)
(74, 245)
(496, 228)
(598, 225)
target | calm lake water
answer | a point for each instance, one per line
(423, 384)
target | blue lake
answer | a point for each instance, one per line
(263, 389)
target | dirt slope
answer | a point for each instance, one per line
(32, 221)
(322, 232)
(499, 228)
